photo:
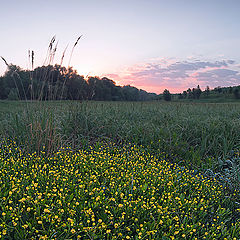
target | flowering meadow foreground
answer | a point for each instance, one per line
(109, 192)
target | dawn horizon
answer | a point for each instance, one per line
(151, 45)
(119, 120)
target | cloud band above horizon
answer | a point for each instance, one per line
(178, 76)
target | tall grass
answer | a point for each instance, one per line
(196, 132)
(43, 77)
(34, 127)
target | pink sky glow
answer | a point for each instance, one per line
(178, 75)
(153, 45)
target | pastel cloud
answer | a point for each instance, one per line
(179, 75)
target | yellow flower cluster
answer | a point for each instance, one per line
(109, 193)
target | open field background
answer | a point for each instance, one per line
(193, 131)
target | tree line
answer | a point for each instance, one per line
(197, 93)
(55, 82)
(60, 83)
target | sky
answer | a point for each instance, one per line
(149, 44)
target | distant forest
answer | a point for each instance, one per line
(60, 83)
(221, 94)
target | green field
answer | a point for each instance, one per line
(171, 168)
(195, 131)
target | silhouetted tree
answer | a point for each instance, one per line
(218, 89)
(167, 95)
(130, 93)
(196, 92)
(207, 90)
(57, 82)
(3, 94)
(184, 94)
(189, 92)
(180, 96)
(236, 93)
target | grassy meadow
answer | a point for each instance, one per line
(193, 131)
(119, 170)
